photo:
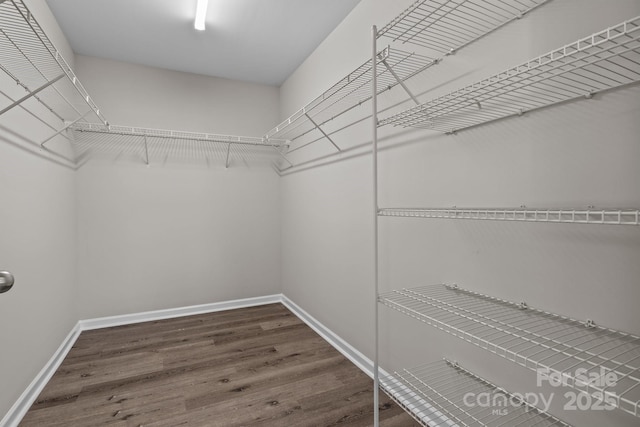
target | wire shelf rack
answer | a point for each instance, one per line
(449, 25)
(149, 144)
(395, 66)
(435, 393)
(607, 216)
(599, 362)
(603, 61)
(29, 58)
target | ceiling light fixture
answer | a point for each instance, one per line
(201, 14)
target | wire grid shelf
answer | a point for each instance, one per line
(573, 216)
(435, 396)
(177, 134)
(448, 25)
(581, 354)
(29, 58)
(150, 144)
(350, 92)
(602, 61)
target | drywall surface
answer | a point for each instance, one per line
(137, 95)
(37, 240)
(573, 155)
(163, 237)
(175, 233)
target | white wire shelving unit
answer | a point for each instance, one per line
(394, 68)
(434, 395)
(579, 352)
(44, 80)
(531, 338)
(149, 144)
(608, 216)
(603, 61)
(442, 27)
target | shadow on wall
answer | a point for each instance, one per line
(27, 145)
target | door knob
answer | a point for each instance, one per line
(6, 281)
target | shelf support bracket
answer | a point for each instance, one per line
(30, 94)
(226, 164)
(400, 81)
(283, 156)
(67, 126)
(323, 132)
(146, 151)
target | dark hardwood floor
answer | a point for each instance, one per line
(258, 366)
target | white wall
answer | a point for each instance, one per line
(577, 154)
(175, 233)
(37, 239)
(154, 238)
(137, 95)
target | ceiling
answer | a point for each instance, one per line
(261, 41)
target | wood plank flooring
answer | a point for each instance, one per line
(258, 366)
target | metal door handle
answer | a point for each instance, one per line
(6, 281)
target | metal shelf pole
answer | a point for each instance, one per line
(374, 128)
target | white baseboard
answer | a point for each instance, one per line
(24, 402)
(148, 316)
(360, 360)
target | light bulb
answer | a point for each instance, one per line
(201, 14)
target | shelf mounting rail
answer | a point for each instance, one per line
(434, 394)
(603, 61)
(442, 27)
(581, 354)
(29, 58)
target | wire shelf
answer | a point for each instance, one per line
(30, 59)
(435, 396)
(602, 61)
(607, 216)
(149, 144)
(350, 92)
(581, 354)
(449, 25)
